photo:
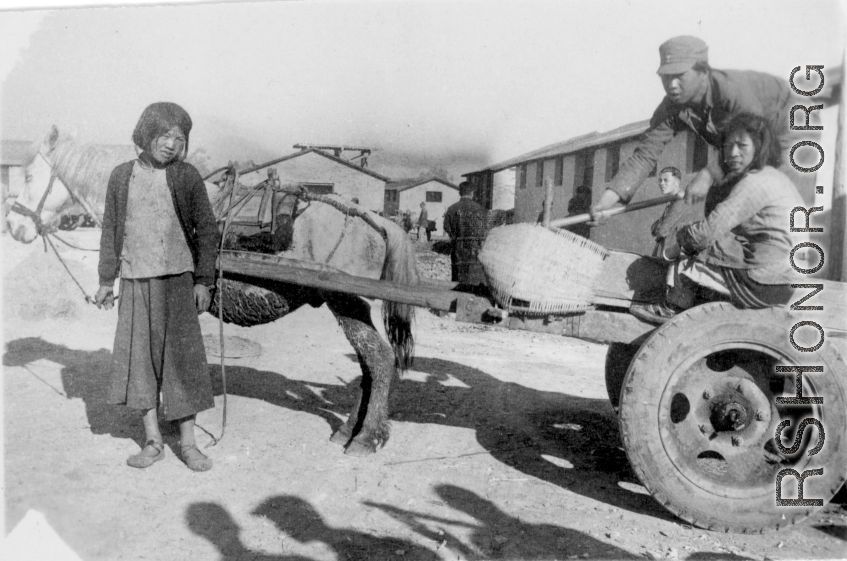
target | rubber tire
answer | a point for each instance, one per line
(618, 358)
(694, 331)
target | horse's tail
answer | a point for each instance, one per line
(400, 266)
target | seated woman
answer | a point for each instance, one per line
(740, 251)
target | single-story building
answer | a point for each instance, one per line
(323, 173)
(593, 160)
(408, 194)
(13, 155)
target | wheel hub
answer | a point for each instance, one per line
(729, 415)
(733, 410)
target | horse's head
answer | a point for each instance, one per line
(41, 189)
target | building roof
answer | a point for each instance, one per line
(15, 152)
(404, 184)
(320, 153)
(582, 142)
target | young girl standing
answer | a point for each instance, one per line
(160, 237)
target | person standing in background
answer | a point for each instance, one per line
(423, 222)
(465, 223)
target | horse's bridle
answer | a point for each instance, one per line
(35, 215)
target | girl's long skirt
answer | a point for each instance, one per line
(159, 348)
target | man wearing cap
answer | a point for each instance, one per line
(465, 223)
(700, 98)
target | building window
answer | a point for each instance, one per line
(613, 161)
(433, 196)
(700, 154)
(391, 196)
(318, 188)
(522, 176)
(539, 173)
(584, 169)
(560, 171)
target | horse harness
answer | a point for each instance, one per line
(35, 216)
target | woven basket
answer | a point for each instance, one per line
(535, 271)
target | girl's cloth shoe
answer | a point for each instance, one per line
(151, 453)
(195, 459)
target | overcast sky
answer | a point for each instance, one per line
(461, 84)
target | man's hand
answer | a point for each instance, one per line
(607, 200)
(202, 298)
(105, 297)
(698, 187)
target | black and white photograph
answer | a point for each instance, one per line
(339, 280)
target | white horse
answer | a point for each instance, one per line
(320, 234)
(81, 173)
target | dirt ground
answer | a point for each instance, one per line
(503, 446)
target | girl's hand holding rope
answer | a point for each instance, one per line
(202, 298)
(105, 297)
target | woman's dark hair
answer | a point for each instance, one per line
(157, 119)
(760, 132)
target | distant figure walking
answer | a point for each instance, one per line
(423, 222)
(465, 223)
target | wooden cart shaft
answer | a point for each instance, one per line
(626, 278)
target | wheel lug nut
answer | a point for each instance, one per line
(736, 441)
(707, 395)
(759, 416)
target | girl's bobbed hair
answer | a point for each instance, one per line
(760, 131)
(157, 119)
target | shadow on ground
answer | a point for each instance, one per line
(522, 427)
(300, 526)
(85, 375)
(493, 534)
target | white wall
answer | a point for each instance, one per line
(411, 200)
(503, 196)
(314, 168)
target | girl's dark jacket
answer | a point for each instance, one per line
(192, 209)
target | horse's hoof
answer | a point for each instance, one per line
(340, 437)
(359, 450)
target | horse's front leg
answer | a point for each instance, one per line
(367, 428)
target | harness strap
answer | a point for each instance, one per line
(35, 215)
(88, 298)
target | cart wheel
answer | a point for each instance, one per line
(698, 418)
(618, 358)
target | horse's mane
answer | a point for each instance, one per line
(86, 169)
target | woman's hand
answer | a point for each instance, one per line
(105, 297)
(202, 298)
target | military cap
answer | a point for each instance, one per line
(678, 54)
